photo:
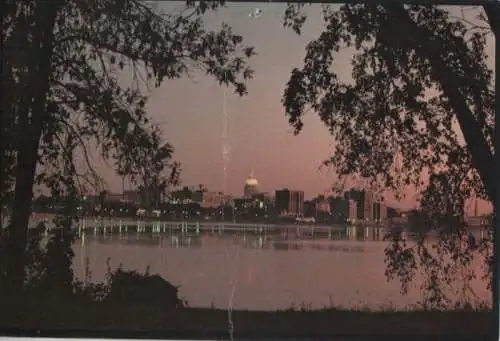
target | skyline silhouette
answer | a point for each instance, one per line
(190, 112)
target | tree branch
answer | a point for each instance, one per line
(477, 145)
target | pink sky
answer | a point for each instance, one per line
(260, 138)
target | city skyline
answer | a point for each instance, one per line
(190, 112)
(472, 206)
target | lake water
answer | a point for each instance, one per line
(258, 273)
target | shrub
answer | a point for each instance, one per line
(135, 288)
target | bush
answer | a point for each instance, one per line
(49, 277)
(48, 265)
(135, 288)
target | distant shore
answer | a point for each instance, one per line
(96, 319)
(41, 217)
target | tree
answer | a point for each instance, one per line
(185, 193)
(416, 70)
(153, 190)
(61, 62)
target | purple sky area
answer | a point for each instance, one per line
(191, 113)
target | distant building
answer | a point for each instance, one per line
(263, 201)
(322, 206)
(214, 199)
(290, 202)
(257, 201)
(182, 196)
(258, 206)
(383, 212)
(242, 204)
(131, 196)
(365, 200)
(369, 201)
(339, 204)
(376, 211)
(197, 196)
(357, 196)
(339, 208)
(309, 208)
(251, 186)
(379, 211)
(353, 210)
(267, 196)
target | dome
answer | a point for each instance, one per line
(251, 181)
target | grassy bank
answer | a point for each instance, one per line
(122, 320)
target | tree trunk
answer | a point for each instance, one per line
(482, 158)
(27, 157)
(6, 124)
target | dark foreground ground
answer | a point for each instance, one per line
(97, 319)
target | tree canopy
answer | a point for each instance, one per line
(61, 65)
(417, 73)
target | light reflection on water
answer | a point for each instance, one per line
(271, 272)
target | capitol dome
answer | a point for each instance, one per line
(251, 186)
(251, 181)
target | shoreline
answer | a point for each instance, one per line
(98, 319)
(38, 217)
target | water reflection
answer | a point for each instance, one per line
(340, 266)
(293, 238)
(288, 239)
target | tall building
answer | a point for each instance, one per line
(281, 201)
(383, 212)
(339, 208)
(379, 211)
(369, 201)
(309, 209)
(376, 211)
(291, 202)
(359, 197)
(365, 200)
(251, 186)
(353, 210)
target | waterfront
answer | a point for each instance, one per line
(266, 272)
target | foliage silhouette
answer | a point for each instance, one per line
(132, 287)
(48, 272)
(48, 276)
(416, 71)
(61, 65)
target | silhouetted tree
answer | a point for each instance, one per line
(416, 70)
(153, 191)
(185, 193)
(61, 65)
(101, 197)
